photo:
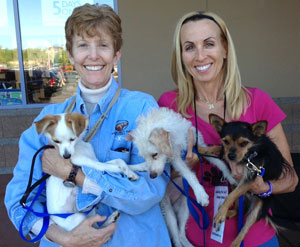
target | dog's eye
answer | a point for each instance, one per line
(56, 141)
(226, 142)
(154, 156)
(244, 144)
(72, 139)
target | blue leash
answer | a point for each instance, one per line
(45, 215)
(195, 150)
(192, 203)
(46, 219)
(241, 214)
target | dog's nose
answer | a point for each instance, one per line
(153, 175)
(67, 155)
(231, 156)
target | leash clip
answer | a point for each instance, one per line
(253, 168)
(260, 171)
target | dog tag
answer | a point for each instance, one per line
(221, 192)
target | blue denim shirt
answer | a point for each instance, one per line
(141, 222)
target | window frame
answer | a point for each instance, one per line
(21, 64)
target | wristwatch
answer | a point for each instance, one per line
(70, 181)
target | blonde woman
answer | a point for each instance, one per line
(206, 74)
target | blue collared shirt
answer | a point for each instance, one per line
(141, 222)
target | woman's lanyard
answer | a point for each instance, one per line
(42, 182)
(200, 158)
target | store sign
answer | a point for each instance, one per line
(56, 12)
(3, 13)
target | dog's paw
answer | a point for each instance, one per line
(202, 197)
(122, 165)
(132, 175)
(220, 217)
(231, 213)
(217, 226)
(204, 200)
(129, 173)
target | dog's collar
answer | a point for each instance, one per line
(260, 171)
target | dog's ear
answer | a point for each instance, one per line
(130, 136)
(259, 128)
(46, 124)
(217, 122)
(161, 139)
(77, 122)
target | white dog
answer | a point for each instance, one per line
(66, 131)
(161, 137)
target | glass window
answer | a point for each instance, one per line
(10, 89)
(48, 75)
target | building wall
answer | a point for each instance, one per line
(265, 33)
(12, 124)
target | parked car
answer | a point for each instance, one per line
(40, 85)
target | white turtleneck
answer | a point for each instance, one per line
(92, 96)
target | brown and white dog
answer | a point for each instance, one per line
(66, 132)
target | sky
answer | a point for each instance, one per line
(41, 21)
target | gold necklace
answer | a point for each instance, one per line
(211, 105)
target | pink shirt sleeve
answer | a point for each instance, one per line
(263, 108)
(168, 99)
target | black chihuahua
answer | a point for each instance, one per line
(246, 145)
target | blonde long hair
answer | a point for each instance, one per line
(237, 98)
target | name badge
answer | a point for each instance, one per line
(221, 192)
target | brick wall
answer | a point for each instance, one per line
(14, 122)
(291, 125)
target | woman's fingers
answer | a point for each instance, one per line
(54, 164)
(191, 158)
(86, 235)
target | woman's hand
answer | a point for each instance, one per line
(54, 164)
(259, 186)
(82, 235)
(191, 158)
